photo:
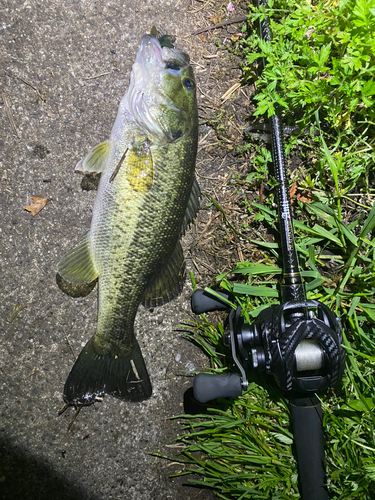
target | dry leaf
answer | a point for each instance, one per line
(293, 189)
(304, 199)
(37, 204)
(261, 192)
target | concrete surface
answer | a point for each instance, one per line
(64, 68)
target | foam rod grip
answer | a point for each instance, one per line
(307, 423)
(202, 301)
(207, 387)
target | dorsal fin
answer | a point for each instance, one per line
(168, 284)
(192, 207)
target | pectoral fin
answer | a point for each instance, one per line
(77, 266)
(168, 284)
(96, 160)
(193, 206)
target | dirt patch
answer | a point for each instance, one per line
(220, 237)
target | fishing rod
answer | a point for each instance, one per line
(298, 341)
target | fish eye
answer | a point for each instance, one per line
(172, 65)
(189, 84)
(177, 135)
(167, 41)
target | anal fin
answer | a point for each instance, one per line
(168, 283)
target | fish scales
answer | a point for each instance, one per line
(146, 197)
(154, 219)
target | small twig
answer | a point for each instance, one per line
(355, 202)
(96, 76)
(226, 180)
(226, 220)
(229, 164)
(61, 411)
(195, 265)
(206, 96)
(207, 266)
(70, 345)
(205, 177)
(205, 137)
(240, 254)
(9, 113)
(43, 98)
(220, 168)
(210, 144)
(200, 8)
(206, 227)
(230, 91)
(116, 170)
(220, 25)
(348, 306)
(74, 417)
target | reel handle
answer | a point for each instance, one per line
(202, 301)
(207, 387)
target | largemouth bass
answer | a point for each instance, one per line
(147, 196)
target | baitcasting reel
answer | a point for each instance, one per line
(298, 342)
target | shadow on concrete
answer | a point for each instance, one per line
(24, 477)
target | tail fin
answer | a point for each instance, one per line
(94, 375)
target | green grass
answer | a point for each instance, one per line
(321, 72)
(321, 62)
(244, 451)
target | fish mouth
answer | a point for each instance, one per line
(154, 54)
(145, 86)
(146, 95)
(150, 53)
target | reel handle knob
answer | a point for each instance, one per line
(207, 387)
(202, 301)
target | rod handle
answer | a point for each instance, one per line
(207, 387)
(306, 416)
(202, 301)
